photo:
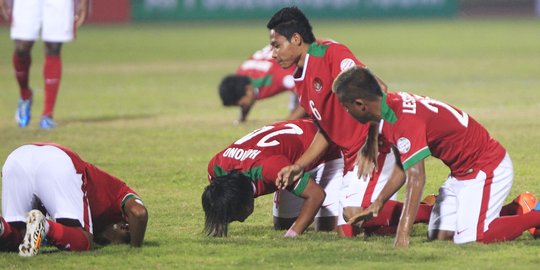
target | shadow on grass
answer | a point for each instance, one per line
(107, 118)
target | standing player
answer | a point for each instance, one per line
(470, 201)
(248, 169)
(258, 78)
(318, 63)
(57, 21)
(84, 203)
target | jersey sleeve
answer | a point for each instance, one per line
(410, 135)
(273, 165)
(341, 58)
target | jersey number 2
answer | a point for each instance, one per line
(267, 141)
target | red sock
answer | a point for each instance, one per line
(11, 239)
(21, 64)
(349, 230)
(52, 72)
(510, 227)
(67, 238)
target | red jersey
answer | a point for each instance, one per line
(419, 127)
(323, 63)
(261, 154)
(105, 193)
(267, 77)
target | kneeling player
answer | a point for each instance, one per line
(83, 202)
(248, 169)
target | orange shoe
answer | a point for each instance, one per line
(429, 199)
(527, 201)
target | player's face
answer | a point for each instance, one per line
(116, 233)
(247, 100)
(357, 110)
(245, 211)
(285, 52)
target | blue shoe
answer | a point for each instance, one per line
(537, 207)
(23, 112)
(47, 122)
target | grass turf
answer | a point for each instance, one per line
(141, 102)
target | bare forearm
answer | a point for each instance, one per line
(317, 147)
(415, 186)
(297, 113)
(137, 218)
(313, 198)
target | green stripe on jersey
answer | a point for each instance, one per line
(317, 50)
(260, 82)
(127, 197)
(301, 185)
(387, 113)
(254, 174)
(416, 157)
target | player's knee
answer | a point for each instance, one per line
(53, 48)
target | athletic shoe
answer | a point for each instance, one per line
(527, 202)
(429, 199)
(22, 116)
(35, 233)
(47, 122)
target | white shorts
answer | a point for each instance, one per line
(42, 174)
(467, 207)
(329, 176)
(55, 19)
(361, 192)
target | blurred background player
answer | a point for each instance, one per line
(258, 78)
(57, 21)
(468, 207)
(248, 169)
(318, 63)
(83, 202)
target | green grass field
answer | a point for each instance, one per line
(141, 102)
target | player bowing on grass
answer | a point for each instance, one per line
(318, 64)
(258, 78)
(481, 174)
(85, 204)
(248, 169)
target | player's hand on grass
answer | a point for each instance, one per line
(289, 175)
(4, 10)
(364, 215)
(402, 241)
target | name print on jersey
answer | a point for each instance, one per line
(241, 154)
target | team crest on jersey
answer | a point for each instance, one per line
(403, 145)
(317, 84)
(346, 64)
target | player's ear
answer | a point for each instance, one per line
(296, 39)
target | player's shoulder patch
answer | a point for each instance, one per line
(403, 145)
(346, 63)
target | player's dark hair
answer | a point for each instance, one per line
(290, 20)
(356, 83)
(232, 88)
(222, 199)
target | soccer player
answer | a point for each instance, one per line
(318, 63)
(248, 169)
(57, 21)
(470, 201)
(258, 78)
(83, 202)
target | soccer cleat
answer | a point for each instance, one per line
(527, 202)
(429, 199)
(47, 122)
(22, 116)
(35, 233)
